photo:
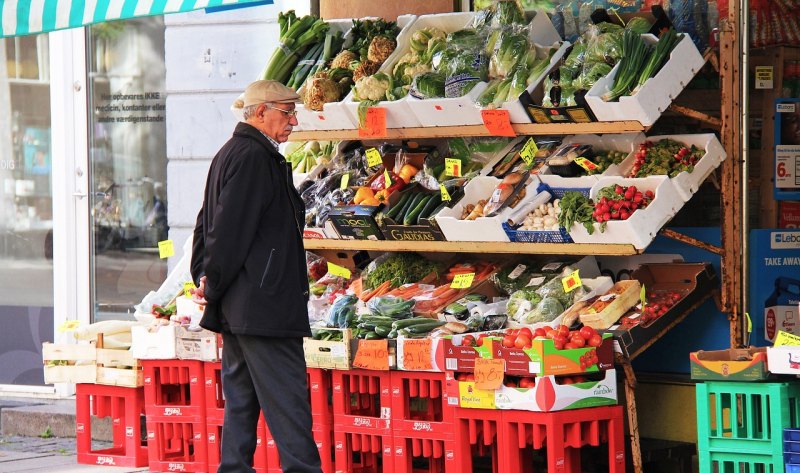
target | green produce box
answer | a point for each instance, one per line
(544, 359)
(356, 222)
(733, 364)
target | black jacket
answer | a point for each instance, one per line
(248, 242)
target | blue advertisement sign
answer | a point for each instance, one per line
(774, 284)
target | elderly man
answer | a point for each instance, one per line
(249, 263)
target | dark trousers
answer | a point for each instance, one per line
(266, 374)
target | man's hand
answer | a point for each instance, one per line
(199, 293)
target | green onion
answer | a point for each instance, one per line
(659, 57)
(635, 53)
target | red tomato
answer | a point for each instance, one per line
(526, 331)
(559, 340)
(522, 341)
(563, 330)
(577, 340)
(510, 383)
(580, 379)
(469, 377)
(527, 383)
(508, 341)
(567, 380)
(595, 341)
(587, 332)
(539, 332)
(570, 346)
(468, 341)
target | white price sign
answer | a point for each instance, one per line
(787, 166)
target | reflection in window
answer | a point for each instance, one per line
(128, 162)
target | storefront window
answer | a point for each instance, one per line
(26, 204)
(127, 136)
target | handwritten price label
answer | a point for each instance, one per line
(337, 270)
(571, 282)
(345, 181)
(417, 354)
(786, 339)
(452, 167)
(445, 195)
(373, 157)
(585, 164)
(529, 151)
(643, 297)
(462, 281)
(372, 355)
(374, 124)
(165, 249)
(489, 373)
(498, 122)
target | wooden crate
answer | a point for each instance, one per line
(329, 9)
(64, 363)
(329, 354)
(118, 368)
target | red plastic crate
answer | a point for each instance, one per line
(419, 405)
(563, 433)
(174, 391)
(477, 434)
(212, 386)
(214, 430)
(363, 453)
(424, 455)
(125, 406)
(362, 401)
(177, 446)
(323, 436)
(320, 395)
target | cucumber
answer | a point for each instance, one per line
(392, 213)
(383, 330)
(419, 329)
(411, 204)
(429, 206)
(372, 336)
(412, 216)
(392, 334)
(398, 324)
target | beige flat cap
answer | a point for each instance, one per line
(262, 91)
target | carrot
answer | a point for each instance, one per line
(382, 289)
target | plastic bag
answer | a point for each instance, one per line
(317, 266)
(545, 311)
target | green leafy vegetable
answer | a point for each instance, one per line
(576, 208)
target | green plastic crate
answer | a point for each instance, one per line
(735, 462)
(741, 418)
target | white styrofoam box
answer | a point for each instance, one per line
(562, 396)
(198, 124)
(656, 94)
(337, 115)
(463, 110)
(156, 345)
(482, 228)
(643, 224)
(687, 183)
(502, 154)
(784, 359)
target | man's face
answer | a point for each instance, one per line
(274, 121)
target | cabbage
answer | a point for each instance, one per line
(521, 302)
(546, 311)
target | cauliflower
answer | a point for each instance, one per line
(343, 60)
(365, 68)
(420, 38)
(319, 91)
(413, 70)
(373, 87)
(380, 48)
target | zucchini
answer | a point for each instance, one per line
(429, 206)
(392, 213)
(411, 204)
(411, 217)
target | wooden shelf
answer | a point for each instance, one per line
(472, 247)
(476, 130)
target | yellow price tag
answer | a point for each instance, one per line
(643, 297)
(387, 178)
(462, 281)
(786, 339)
(571, 282)
(445, 195)
(345, 181)
(68, 326)
(452, 167)
(337, 270)
(165, 249)
(187, 288)
(529, 151)
(373, 158)
(585, 164)
(749, 323)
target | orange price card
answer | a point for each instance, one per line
(489, 373)
(357, 286)
(417, 354)
(374, 124)
(498, 122)
(372, 355)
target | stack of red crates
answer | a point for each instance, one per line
(176, 415)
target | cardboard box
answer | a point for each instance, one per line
(696, 280)
(784, 359)
(580, 113)
(452, 356)
(174, 341)
(69, 363)
(733, 364)
(548, 395)
(336, 355)
(544, 359)
(465, 394)
(196, 345)
(356, 222)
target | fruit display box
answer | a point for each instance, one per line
(693, 281)
(733, 364)
(543, 358)
(550, 394)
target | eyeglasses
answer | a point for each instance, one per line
(290, 113)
